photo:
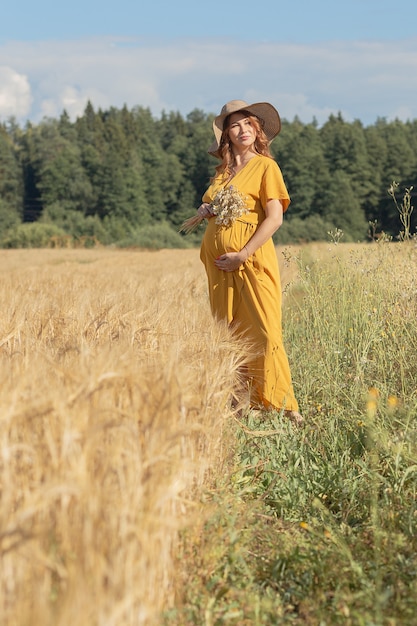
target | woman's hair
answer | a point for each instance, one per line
(225, 147)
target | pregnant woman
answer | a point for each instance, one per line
(238, 251)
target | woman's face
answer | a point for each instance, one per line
(241, 132)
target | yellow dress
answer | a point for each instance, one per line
(250, 298)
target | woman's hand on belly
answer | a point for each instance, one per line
(231, 261)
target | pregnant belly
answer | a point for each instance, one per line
(218, 240)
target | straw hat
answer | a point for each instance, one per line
(263, 110)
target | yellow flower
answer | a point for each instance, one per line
(304, 526)
(371, 407)
(392, 402)
(373, 392)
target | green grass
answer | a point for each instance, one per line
(319, 525)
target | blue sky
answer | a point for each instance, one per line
(309, 58)
(302, 21)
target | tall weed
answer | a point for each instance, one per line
(323, 525)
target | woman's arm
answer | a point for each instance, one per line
(273, 220)
(233, 260)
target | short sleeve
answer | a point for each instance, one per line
(273, 186)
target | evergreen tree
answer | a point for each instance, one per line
(341, 207)
(11, 175)
(299, 152)
(121, 188)
(193, 165)
(60, 176)
(397, 161)
(344, 148)
(90, 139)
(376, 149)
(198, 162)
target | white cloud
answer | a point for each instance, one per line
(363, 80)
(73, 100)
(15, 93)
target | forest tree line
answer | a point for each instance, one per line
(125, 177)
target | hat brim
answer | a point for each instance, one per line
(263, 110)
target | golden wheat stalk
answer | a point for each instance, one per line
(191, 224)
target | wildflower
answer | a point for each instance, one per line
(371, 407)
(372, 402)
(392, 402)
(304, 526)
(228, 205)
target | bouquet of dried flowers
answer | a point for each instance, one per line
(227, 205)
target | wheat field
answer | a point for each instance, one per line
(114, 396)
